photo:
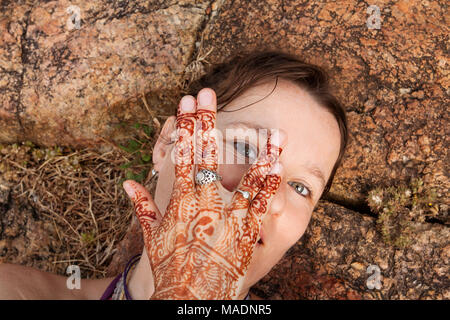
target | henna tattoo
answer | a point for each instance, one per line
(254, 180)
(207, 146)
(203, 246)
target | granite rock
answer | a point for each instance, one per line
(25, 238)
(342, 251)
(393, 81)
(66, 85)
(72, 71)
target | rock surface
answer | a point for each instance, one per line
(342, 251)
(25, 238)
(61, 86)
(67, 80)
(394, 81)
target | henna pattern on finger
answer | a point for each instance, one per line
(184, 151)
(254, 179)
(253, 220)
(146, 216)
(140, 206)
(206, 151)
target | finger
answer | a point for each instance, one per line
(146, 210)
(184, 145)
(260, 204)
(252, 182)
(206, 148)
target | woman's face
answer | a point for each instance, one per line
(312, 148)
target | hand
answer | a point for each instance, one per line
(202, 247)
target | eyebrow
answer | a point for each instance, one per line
(246, 124)
(313, 170)
(316, 172)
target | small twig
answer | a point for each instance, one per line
(70, 260)
(151, 113)
(19, 166)
(90, 210)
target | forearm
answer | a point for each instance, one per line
(25, 283)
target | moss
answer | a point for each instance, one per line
(399, 206)
(139, 149)
(88, 237)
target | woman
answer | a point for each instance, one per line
(255, 95)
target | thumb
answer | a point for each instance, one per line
(146, 210)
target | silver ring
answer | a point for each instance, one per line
(245, 194)
(205, 176)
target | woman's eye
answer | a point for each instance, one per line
(300, 188)
(245, 149)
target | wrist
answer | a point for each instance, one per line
(140, 285)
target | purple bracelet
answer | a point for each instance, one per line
(123, 276)
(125, 273)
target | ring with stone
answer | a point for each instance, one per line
(245, 194)
(205, 176)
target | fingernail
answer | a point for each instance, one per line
(278, 137)
(128, 189)
(205, 98)
(187, 104)
(276, 169)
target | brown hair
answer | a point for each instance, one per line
(233, 77)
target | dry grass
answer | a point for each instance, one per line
(80, 193)
(77, 198)
(195, 69)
